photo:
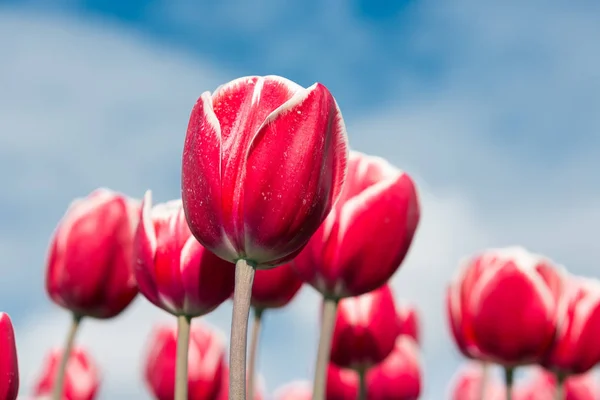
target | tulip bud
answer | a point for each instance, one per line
(206, 362)
(298, 390)
(342, 384)
(577, 349)
(9, 366)
(503, 306)
(365, 238)
(399, 375)
(274, 288)
(173, 270)
(264, 160)
(90, 261)
(542, 386)
(468, 381)
(365, 331)
(408, 320)
(82, 378)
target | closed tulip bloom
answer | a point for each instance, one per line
(274, 288)
(264, 160)
(365, 331)
(9, 366)
(365, 238)
(503, 306)
(542, 386)
(173, 270)
(398, 377)
(342, 384)
(82, 378)
(408, 320)
(467, 385)
(206, 362)
(90, 261)
(298, 390)
(577, 349)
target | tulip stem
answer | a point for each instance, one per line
(485, 371)
(362, 384)
(254, 339)
(509, 374)
(327, 327)
(560, 387)
(57, 390)
(181, 363)
(244, 276)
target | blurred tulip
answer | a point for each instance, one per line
(342, 384)
(577, 348)
(408, 320)
(264, 160)
(82, 377)
(365, 331)
(275, 287)
(298, 390)
(90, 261)
(173, 270)
(542, 386)
(365, 238)
(503, 306)
(467, 384)
(206, 362)
(398, 377)
(9, 366)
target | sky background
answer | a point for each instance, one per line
(492, 108)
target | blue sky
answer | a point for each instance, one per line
(492, 108)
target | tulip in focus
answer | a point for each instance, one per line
(398, 377)
(173, 270)
(274, 288)
(503, 306)
(9, 366)
(468, 381)
(82, 377)
(206, 362)
(342, 384)
(408, 320)
(264, 160)
(542, 386)
(577, 346)
(365, 331)
(299, 390)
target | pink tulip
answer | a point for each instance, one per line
(468, 381)
(408, 320)
(206, 362)
(90, 261)
(365, 331)
(365, 238)
(577, 348)
(503, 306)
(9, 366)
(298, 390)
(274, 288)
(173, 270)
(264, 160)
(342, 384)
(542, 386)
(82, 377)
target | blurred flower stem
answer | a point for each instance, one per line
(244, 276)
(362, 384)
(485, 371)
(64, 360)
(327, 327)
(509, 374)
(181, 362)
(559, 394)
(254, 340)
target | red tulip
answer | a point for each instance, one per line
(274, 288)
(264, 160)
(365, 331)
(365, 238)
(398, 377)
(173, 270)
(467, 385)
(9, 366)
(82, 378)
(503, 306)
(299, 390)
(342, 384)
(206, 362)
(90, 262)
(408, 320)
(577, 349)
(542, 386)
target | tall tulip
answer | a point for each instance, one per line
(9, 365)
(272, 288)
(503, 307)
(362, 242)
(471, 383)
(264, 161)
(206, 363)
(90, 261)
(408, 319)
(82, 378)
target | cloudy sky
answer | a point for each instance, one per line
(492, 108)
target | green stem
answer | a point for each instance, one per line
(181, 363)
(362, 388)
(254, 340)
(559, 394)
(324, 351)
(484, 378)
(244, 276)
(57, 390)
(509, 375)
